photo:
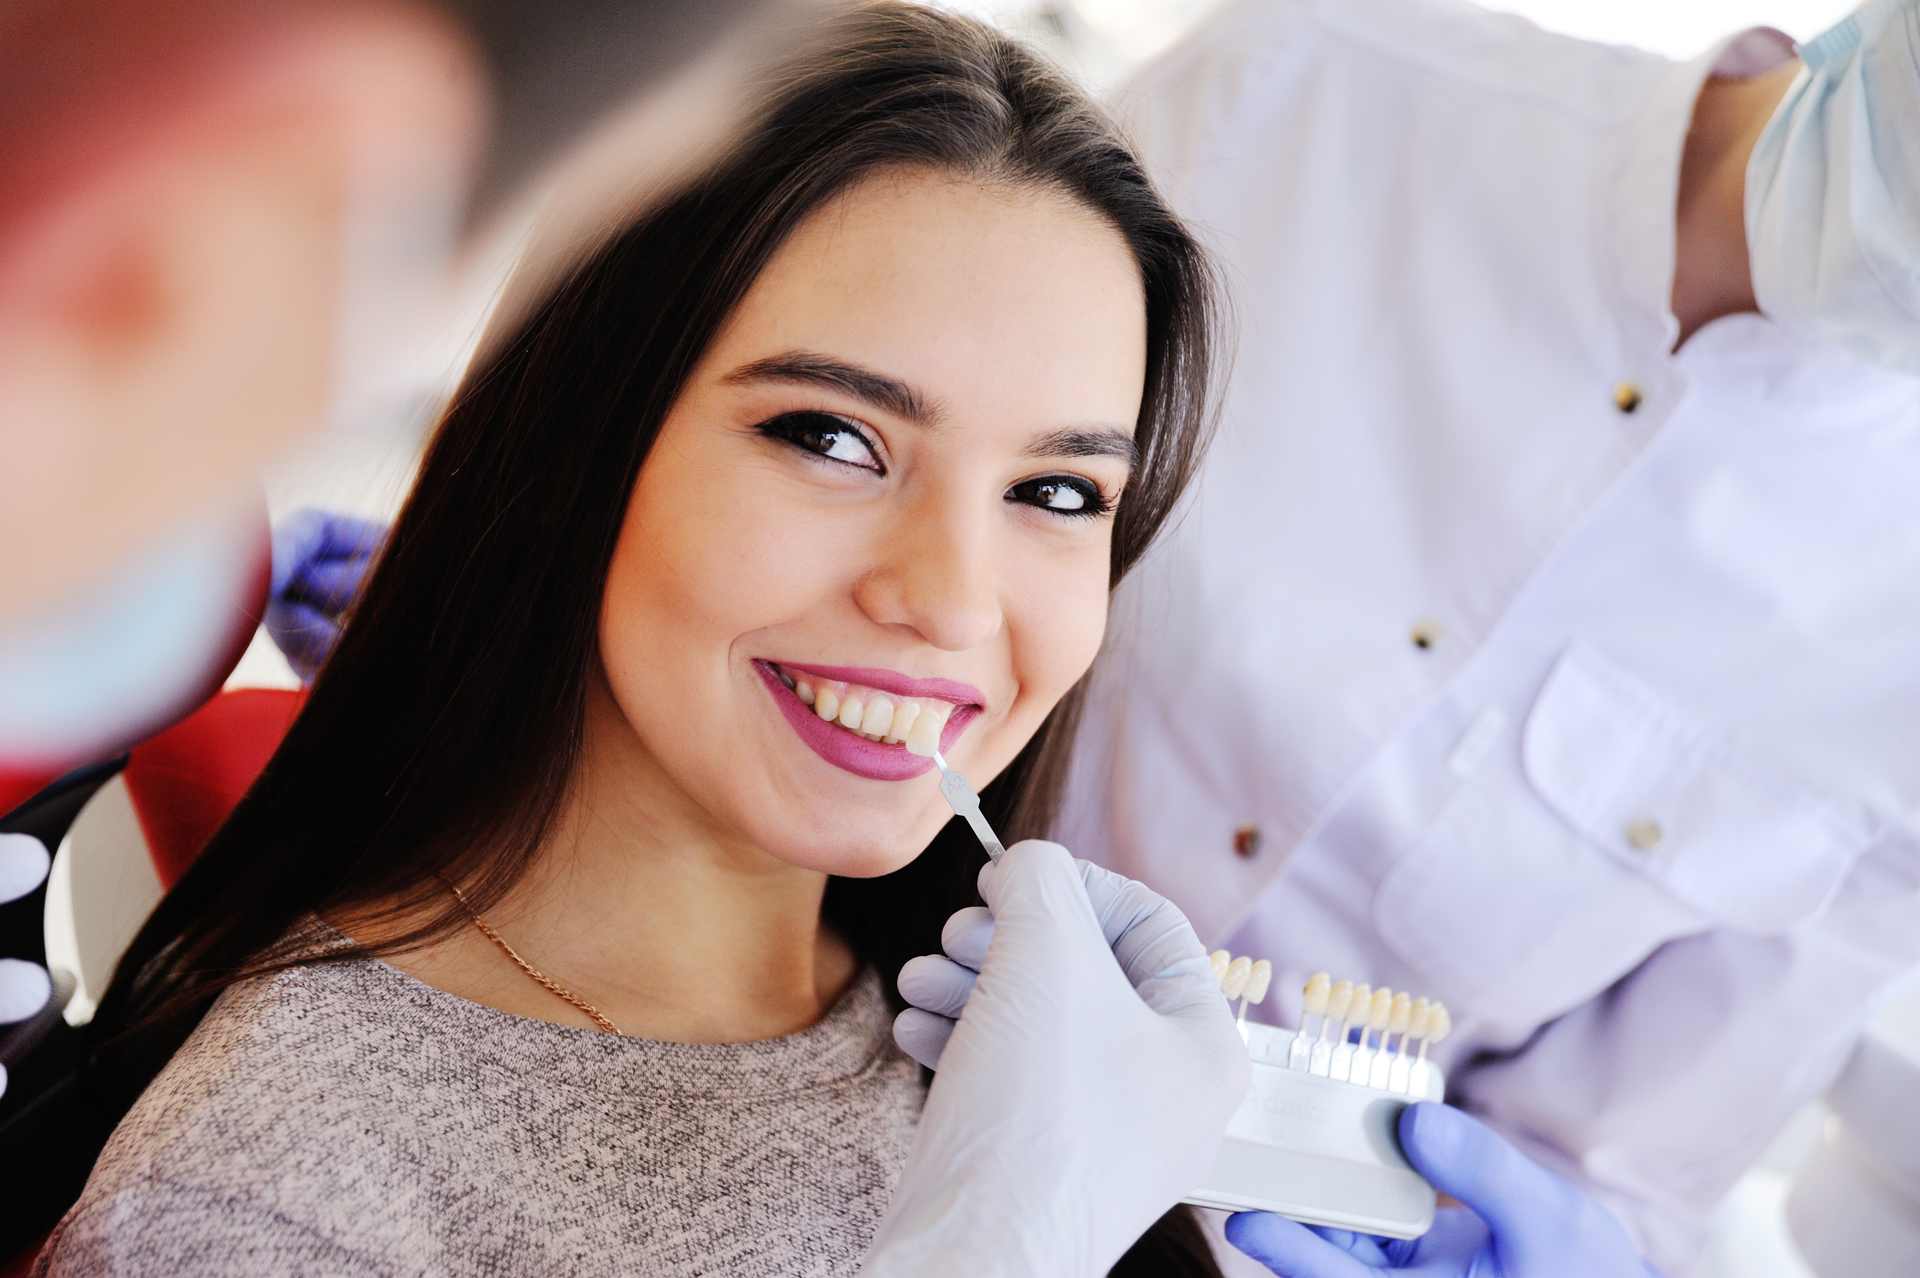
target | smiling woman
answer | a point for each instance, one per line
(570, 905)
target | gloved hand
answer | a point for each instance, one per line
(1833, 190)
(24, 986)
(1085, 1089)
(318, 561)
(1525, 1221)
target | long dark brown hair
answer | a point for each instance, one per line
(442, 735)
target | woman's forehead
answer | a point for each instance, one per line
(990, 299)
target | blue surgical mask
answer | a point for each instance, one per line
(121, 658)
(1833, 190)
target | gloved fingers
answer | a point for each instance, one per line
(349, 537)
(24, 865)
(329, 584)
(922, 1035)
(1367, 1249)
(303, 634)
(1520, 1200)
(1036, 883)
(1154, 943)
(308, 536)
(1155, 946)
(1292, 1250)
(967, 935)
(295, 540)
(935, 983)
(24, 989)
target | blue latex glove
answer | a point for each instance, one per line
(318, 561)
(1525, 1221)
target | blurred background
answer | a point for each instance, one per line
(364, 467)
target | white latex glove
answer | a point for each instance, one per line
(1082, 1093)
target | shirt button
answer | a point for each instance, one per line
(1425, 635)
(1626, 397)
(1246, 841)
(1644, 835)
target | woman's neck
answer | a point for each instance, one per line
(636, 905)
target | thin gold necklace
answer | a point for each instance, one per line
(554, 987)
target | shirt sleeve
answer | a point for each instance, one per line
(1659, 1094)
(173, 1230)
(1833, 190)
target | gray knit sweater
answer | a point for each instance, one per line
(347, 1118)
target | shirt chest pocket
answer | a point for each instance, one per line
(1628, 822)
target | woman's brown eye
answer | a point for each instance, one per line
(833, 438)
(1062, 495)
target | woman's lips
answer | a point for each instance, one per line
(961, 694)
(847, 750)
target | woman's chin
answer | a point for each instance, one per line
(873, 865)
(852, 856)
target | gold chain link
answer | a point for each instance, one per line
(553, 986)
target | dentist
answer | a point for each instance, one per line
(1540, 639)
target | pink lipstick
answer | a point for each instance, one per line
(874, 760)
(961, 694)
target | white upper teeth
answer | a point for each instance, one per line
(915, 722)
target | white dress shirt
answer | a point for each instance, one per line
(1504, 656)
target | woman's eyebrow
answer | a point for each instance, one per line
(889, 393)
(906, 401)
(1086, 442)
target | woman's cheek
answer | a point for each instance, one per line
(702, 535)
(1058, 630)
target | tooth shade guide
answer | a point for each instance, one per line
(1258, 979)
(1383, 1064)
(1341, 1169)
(1313, 1002)
(1439, 1025)
(1378, 1013)
(1415, 1028)
(1314, 997)
(1340, 1001)
(1234, 983)
(1402, 1012)
(1341, 1067)
(924, 737)
(1218, 961)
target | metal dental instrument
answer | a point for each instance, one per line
(966, 804)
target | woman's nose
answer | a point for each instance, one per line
(936, 575)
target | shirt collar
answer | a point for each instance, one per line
(1645, 182)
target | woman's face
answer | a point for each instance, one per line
(884, 496)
